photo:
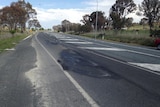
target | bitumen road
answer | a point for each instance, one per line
(59, 70)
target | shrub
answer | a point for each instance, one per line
(13, 32)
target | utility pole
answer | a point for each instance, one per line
(96, 20)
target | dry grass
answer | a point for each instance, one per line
(140, 37)
(4, 35)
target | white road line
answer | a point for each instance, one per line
(75, 83)
(78, 42)
(125, 63)
(68, 39)
(100, 48)
(134, 47)
(27, 37)
(62, 37)
(12, 49)
(154, 67)
(141, 53)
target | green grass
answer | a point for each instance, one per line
(10, 42)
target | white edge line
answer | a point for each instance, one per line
(27, 37)
(12, 49)
(101, 48)
(78, 42)
(75, 83)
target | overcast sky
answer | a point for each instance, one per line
(52, 12)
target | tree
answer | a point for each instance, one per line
(30, 12)
(12, 16)
(108, 24)
(143, 21)
(129, 22)
(75, 27)
(101, 19)
(17, 15)
(117, 22)
(5, 14)
(86, 20)
(151, 10)
(66, 25)
(119, 11)
(20, 16)
(34, 23)
(87, 27)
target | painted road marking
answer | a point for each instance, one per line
(68, 39)
(27, 37)
(12, 49)
(74, 82)
(105, 49)
(62, 37)
(78, 42)
(154, 67)
(137, 52)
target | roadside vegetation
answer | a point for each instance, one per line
(136, 34)
(140, 37)
(8, 41)
(118, 26)
(15, 21)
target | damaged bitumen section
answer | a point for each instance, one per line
(73, 61)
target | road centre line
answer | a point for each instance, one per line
(100, 48)
(79, 42)
(62, 37)
(68, 39)
(133, 46)
(155, 67)
(85, 38)
(74, 82)
(126, 63)
(142, 53)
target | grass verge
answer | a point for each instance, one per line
(10, 42)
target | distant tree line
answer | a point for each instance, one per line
(117, 18)
(17, 15)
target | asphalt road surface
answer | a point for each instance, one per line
(58, 70)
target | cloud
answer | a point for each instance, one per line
(55, 16)
(100, 5)
(1, 7)
(50, 17)
(100, 2)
